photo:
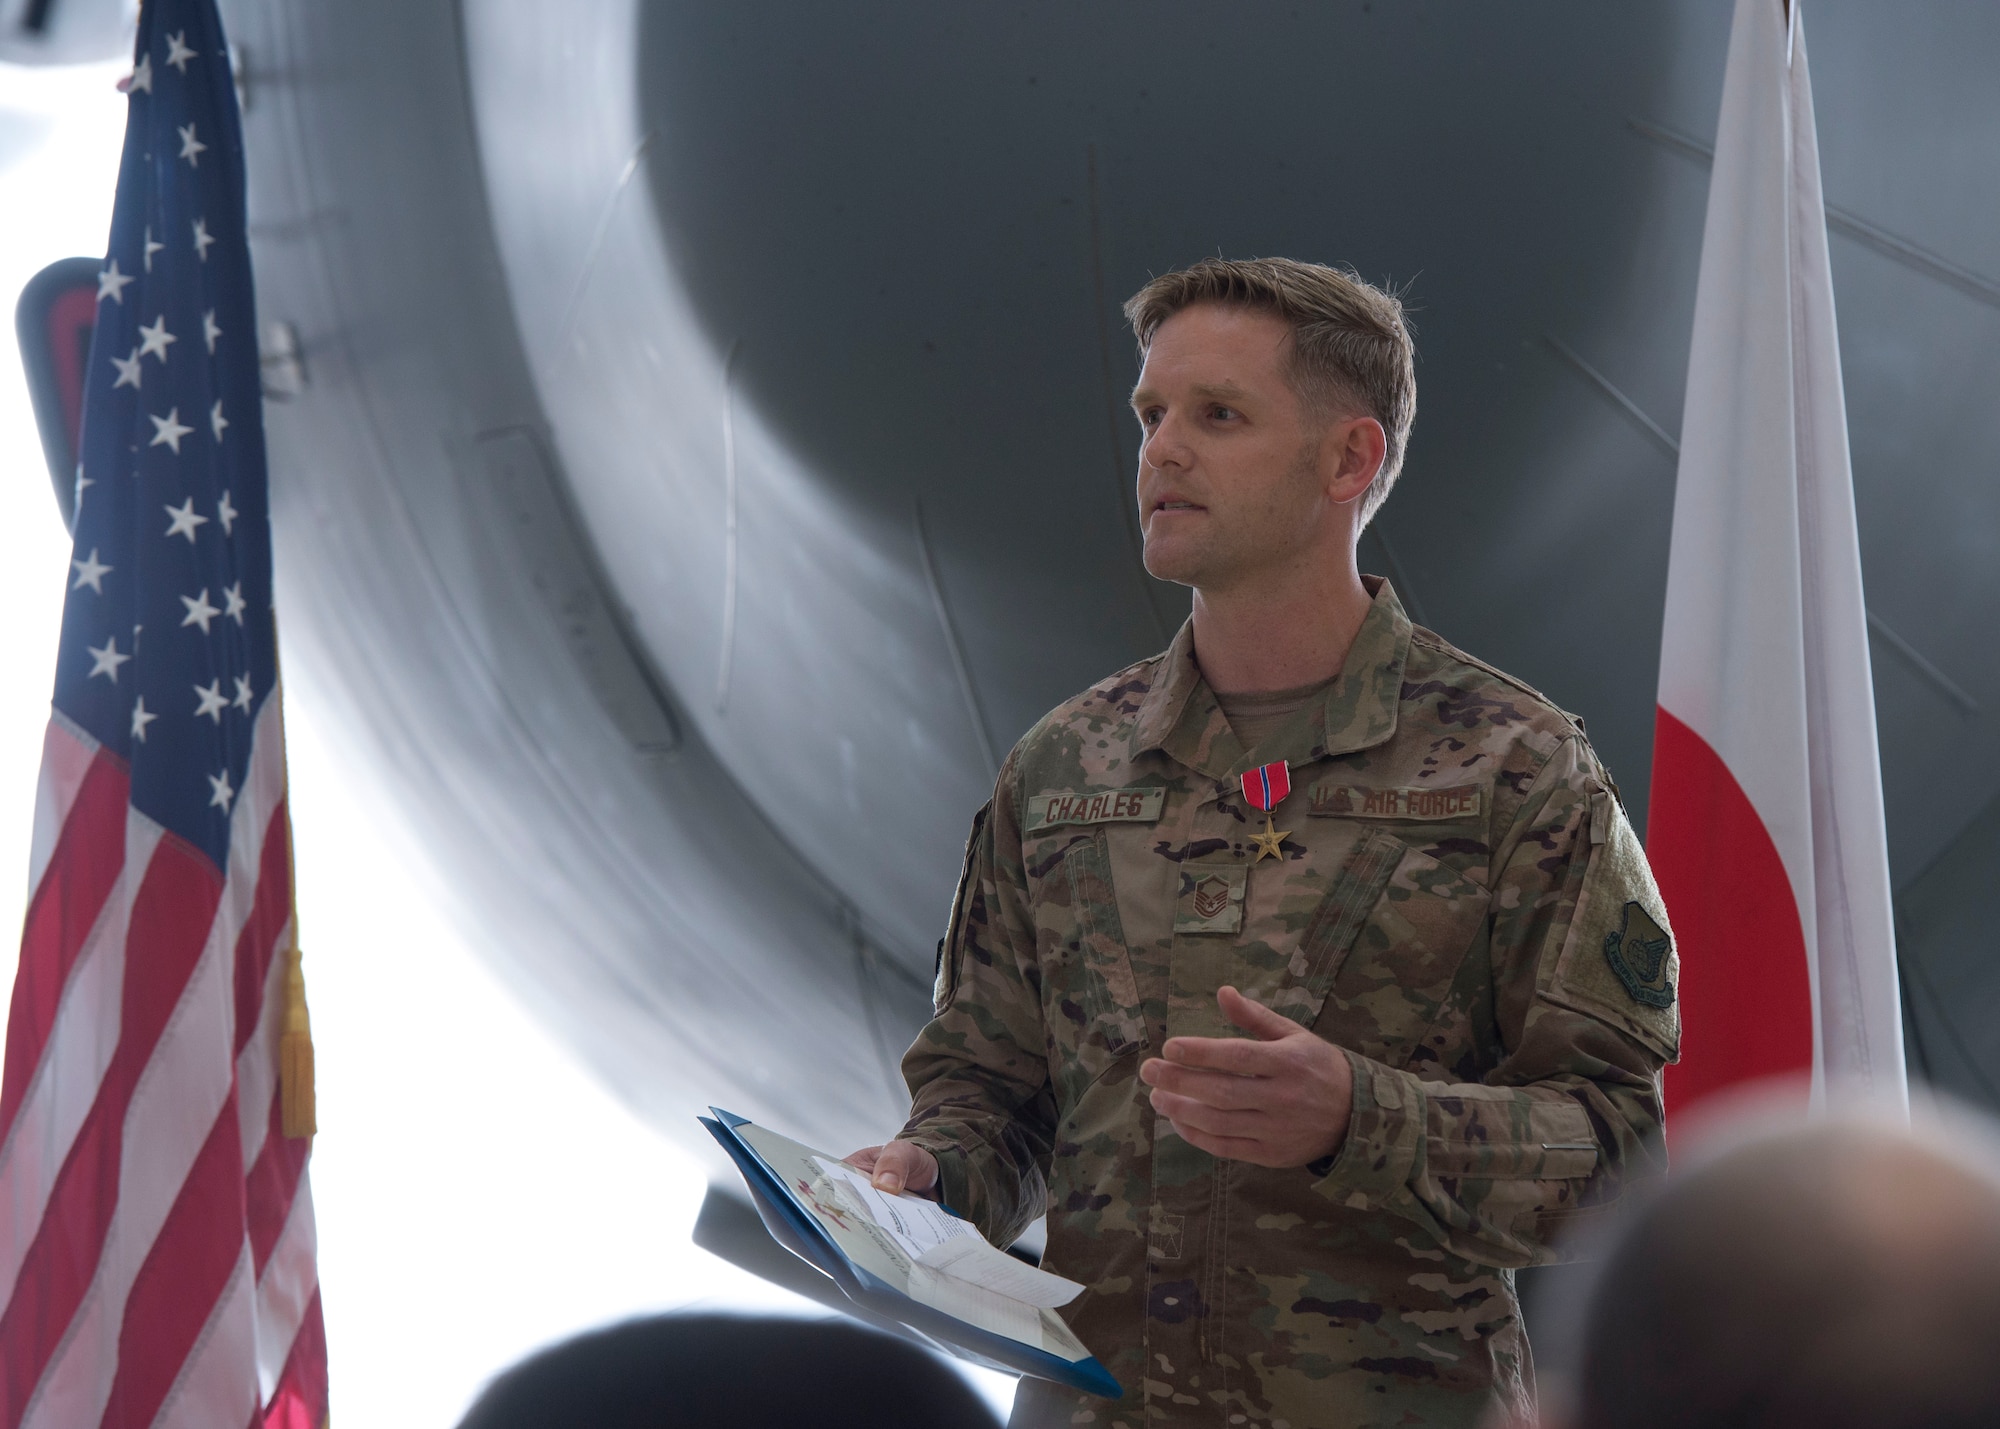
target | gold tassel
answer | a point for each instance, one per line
(298, 1109)
(295, 1054)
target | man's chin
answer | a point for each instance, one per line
(1164, 563)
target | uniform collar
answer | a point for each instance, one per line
(1181, 718)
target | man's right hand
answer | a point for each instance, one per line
(899, 1166)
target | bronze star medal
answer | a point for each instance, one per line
(1265, 788)
(1271, 842)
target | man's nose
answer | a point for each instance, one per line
(1165, 446)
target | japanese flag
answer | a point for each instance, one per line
(1765, 830)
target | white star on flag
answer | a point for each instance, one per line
(199, 611)
(209, 331)
(226, 514)
(213, 703)
(140, 719)
(191, 148)
(128, 370)
(185, 520)
(106, 660)
(154, 339)
(233, 604)
(201, 239)
(217, 422)
(82, 482)
(90, 572)
(142, 76)
(223, 793)
(168, 430)
(111, 284)
(243, 695)
(178, 53)
(151, 247)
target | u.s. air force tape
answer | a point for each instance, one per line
(1093, 806)
(1352, 801)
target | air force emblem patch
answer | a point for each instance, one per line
(1637, 953)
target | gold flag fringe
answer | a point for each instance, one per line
(295, 1055)
(298, 1103)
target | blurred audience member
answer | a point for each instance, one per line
(1836, 1274)
(711, 1371)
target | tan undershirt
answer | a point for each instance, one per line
(1257, 715)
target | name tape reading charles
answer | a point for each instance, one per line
(1094, 806)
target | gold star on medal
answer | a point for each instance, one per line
(1270, 842)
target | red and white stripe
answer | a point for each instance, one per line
(1766, 829)
(156, 1236)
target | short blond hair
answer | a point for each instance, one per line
(1351, 349)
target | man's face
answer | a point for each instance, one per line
(1229, 470)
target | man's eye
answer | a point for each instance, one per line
(1222, 414)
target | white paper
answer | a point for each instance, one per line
(933, 1237)
(962, 1300)
(828, 1191)
(917, 1225)
(977, 1262)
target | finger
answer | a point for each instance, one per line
(864, 1159)
(1253, 1017)
(1186, 1111)
(895, 1167)
(1225, 1054)
(1223, 1090)
(892, 1168)
(904, 1165)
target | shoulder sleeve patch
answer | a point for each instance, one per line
(1618, 963)
(1637, 952)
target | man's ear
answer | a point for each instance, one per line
(1350, 455)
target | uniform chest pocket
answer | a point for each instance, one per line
(1088, 989)
(1399, 973)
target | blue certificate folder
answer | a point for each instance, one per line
(800, 1222)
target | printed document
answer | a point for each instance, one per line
(937, 1240)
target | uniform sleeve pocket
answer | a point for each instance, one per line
(1619, 964)
(951, 947)
(1503, 1138)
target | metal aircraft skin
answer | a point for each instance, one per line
(699, 442)
(65, 32)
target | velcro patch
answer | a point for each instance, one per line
(1211, 898)
(1352, 801)
(1094, 806)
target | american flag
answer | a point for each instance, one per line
(157, 1261)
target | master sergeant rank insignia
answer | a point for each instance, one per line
(1211, 899)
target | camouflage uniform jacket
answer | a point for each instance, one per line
(1462, 908)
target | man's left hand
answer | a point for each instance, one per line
(1281, 1100)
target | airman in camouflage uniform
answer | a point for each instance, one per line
(1461, 907)
(1460, 978)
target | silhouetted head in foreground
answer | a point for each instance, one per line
(1828, 1276)
(702, 1371)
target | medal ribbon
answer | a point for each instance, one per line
(1266, 786)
